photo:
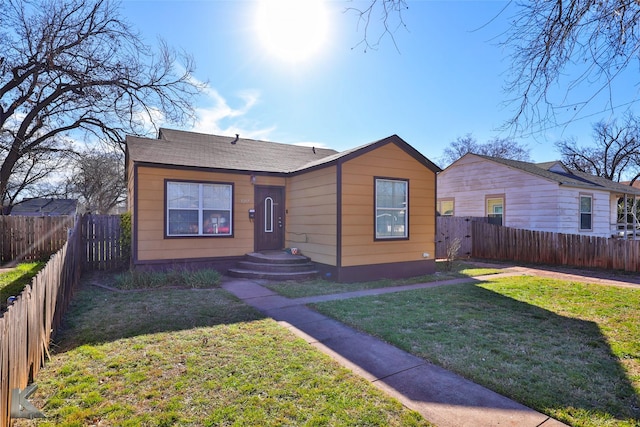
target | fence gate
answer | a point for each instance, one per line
(450, 228)
(102, 236)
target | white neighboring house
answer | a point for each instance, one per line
(536, 196)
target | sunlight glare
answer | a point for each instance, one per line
(292, 30)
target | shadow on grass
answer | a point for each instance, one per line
(98, 315)
(14, 281)
(559, 365)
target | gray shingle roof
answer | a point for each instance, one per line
(45, 207)
(211, 151)
(570, 178)
(192, 149)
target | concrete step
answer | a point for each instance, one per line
(276, 257)
(270, 275)
(275, 267)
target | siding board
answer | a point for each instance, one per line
(151, 244)
(359, 246)
(531, 202)
(311, 214)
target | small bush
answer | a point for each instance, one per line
(202, 278)
(134, 279)
(125, 237)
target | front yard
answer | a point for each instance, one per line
(569, 350)
(201, 357)
(195, 357)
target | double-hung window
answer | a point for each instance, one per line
(586, 212)
(444, 207)
(199, 209)
(495, 209)
(391, 208)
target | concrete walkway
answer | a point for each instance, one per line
(442, 397)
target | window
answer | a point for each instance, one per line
(445, 207)
(586, 212)
(495, 209)
(199, 209)
(391, 208)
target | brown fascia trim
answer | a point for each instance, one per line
(393, 139)
(339, 214)
(134, 226)
(212, 170)
(418, 156)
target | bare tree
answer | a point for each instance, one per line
(564, 53)
(577, 43)
(615, 154)
(387, 12)
(97, 180)
(505, 148)
(75, 68)
(29, 176)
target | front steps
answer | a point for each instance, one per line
(274, 265)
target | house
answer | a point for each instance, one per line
(364, 213)
(45, 207)
(543, 196)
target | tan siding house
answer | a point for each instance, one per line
(364, 213)
(543, 197)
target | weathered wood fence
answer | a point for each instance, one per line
(104, 248)
(89, 242)
(510, 244)
(32, 238)
(452, 228)
(27, 325)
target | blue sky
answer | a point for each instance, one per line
(443, 78)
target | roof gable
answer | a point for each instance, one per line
(556, 171)
(347, 155)
(554, 166)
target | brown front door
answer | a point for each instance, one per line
(269, 220)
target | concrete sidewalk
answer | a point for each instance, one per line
(442, 397)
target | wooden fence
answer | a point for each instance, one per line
(31, 238)
(27, 325)
(538, 247)
(103, 242)
(452, 228)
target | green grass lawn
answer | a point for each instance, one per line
(196, 357)
(456, 270)
(569, 350)
(12, 282)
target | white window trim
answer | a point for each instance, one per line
(580, 197)
(405, 234)
(200, 209)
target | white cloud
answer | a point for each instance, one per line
(215, 116)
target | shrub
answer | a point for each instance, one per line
(125, 237)
(135, 279)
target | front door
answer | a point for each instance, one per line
(269, 220)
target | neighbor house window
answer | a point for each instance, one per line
(199, 209)
(495, 209)
(391, 208)
(586, 212)
(445, 207)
